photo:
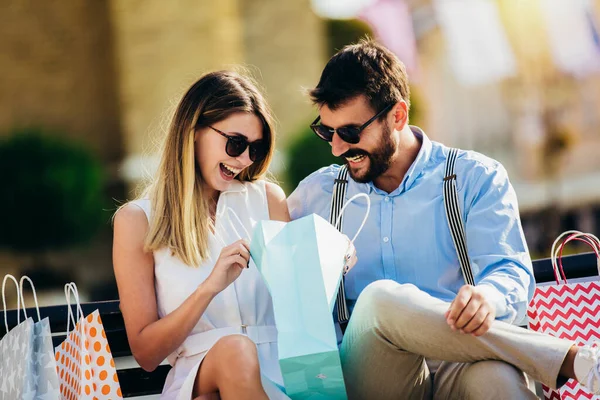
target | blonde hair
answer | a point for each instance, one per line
(180, 219)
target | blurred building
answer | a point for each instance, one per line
(109, 73)
(542, 124)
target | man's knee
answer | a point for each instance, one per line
(501, 379)
(384, 296)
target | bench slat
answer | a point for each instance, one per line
(117, 340)
(575, 266)
(137, 382)
(109, 312)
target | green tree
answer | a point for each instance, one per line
(52, 193)
(341, 32)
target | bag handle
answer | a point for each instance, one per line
(37, 306)
(9, 276)
(337, 208)
(226, 213)
(229, 211)
(339, 218)
(71, 318)
(556, 252)
(72, 288)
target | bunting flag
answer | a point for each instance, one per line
(392, 25)
(478, 49)
(573, 36)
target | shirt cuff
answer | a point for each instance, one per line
(496, 298)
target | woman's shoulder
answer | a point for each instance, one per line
(274, 191)
(271, 190)
(139, 206)
(266, 192)
(276, 198)
(131, 219)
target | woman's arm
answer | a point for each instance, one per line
(151, 339)
(278, 209)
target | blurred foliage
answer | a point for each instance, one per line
(52, 193)
(307, 153)
(341, 32)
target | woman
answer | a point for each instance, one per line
(187, 290)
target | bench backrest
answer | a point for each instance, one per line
(134, 381)
(137, 382)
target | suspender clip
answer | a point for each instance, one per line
(450, 177)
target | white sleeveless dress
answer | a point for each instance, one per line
(244, 307)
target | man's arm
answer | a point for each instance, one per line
(313, 194)
(295, 202)
(497, 246)
(498, 252)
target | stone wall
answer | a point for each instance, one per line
(56, 71)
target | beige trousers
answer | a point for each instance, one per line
(395, 328)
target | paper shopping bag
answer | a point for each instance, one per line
(302, 263)
(42, 382)
(86, 368)
(15, 352)
(569, 311)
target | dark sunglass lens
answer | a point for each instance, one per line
(235, 147)
(349, 134)
(258, 151)
(323, 132)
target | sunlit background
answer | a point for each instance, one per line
(87, 89)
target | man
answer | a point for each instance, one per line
(412, 310)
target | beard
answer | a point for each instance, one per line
(379, 160)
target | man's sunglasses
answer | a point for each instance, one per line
(237, 144)
(350, 134)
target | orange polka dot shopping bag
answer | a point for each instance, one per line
(86, 369)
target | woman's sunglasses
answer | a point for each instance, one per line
(350, 134)
(237, 144)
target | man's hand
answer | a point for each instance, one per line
(470, 312)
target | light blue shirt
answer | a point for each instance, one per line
(406, 237)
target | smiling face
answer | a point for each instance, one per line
(373, 154)
(217, 168)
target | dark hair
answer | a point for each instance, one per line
(366, 68)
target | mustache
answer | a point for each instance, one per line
(354, 153)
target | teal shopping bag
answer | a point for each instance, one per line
(302, 263)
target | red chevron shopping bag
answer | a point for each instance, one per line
(568, 310)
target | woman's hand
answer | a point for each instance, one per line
(232, 261)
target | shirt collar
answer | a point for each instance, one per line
(415, 169)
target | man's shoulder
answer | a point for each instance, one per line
(322, 178)
(476, 162)
(469, 163)
(313, 193)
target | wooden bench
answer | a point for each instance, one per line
(137, 382)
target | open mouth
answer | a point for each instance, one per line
(356, 159)
(228, 172)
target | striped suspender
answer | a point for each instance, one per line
(337, 202)
(454, 217)
(453, 214)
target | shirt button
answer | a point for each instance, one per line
(387, 199)
(386, 239)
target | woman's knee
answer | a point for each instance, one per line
(237, 356)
